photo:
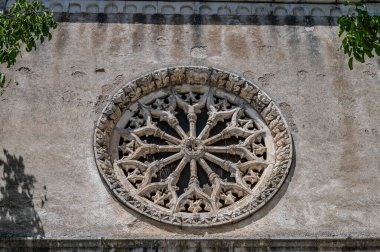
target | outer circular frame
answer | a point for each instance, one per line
(171, 76)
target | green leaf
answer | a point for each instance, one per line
(361, 34)
(350, 63)
(26, 23)
(2, 80)
(377, 51)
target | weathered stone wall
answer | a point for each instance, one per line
(50, 185)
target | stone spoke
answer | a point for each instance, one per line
(227, 166)
(210, 173)
(224, 164)
(171, 159)
(239, 150)
(149, 130)
(153, 130)
(215, 116)
(233, 131)
(191, 111)
(155, 166)
(174, 176)
(193, 173)
(167, 116)
(148, 149)
(180, 131)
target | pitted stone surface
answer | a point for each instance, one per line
(49, 119)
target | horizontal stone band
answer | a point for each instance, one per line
(221, 8)
(212, 244)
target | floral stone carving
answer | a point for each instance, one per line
(192, 146)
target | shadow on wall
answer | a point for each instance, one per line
(177, 19)
(18, 218)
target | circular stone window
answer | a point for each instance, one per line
(192, 146)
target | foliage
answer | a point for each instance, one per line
(26, 23)
(361, 34)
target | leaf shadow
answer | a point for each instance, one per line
(18, 217)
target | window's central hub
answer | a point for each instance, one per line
(193, 147)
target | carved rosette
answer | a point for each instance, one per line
(192, 146)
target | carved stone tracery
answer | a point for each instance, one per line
(192, 146)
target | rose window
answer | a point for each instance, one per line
(192, 146)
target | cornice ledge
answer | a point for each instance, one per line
(315, 8)
(190, 244)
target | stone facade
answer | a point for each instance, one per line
(50, 185)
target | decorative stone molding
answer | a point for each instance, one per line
(192, 146)
(192, 244)
(222, 8)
